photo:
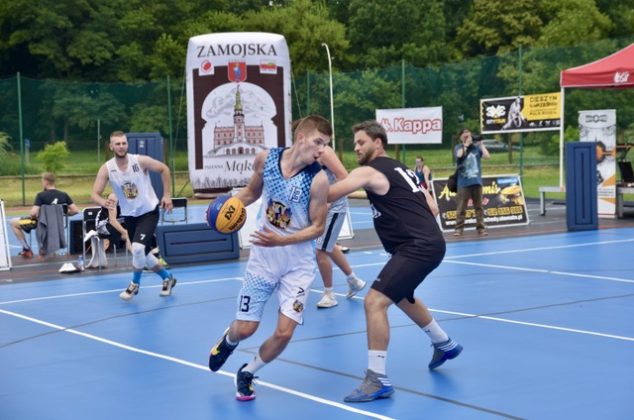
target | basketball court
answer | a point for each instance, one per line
(545, 320)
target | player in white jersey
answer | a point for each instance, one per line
(129, 178)
(282, 259)
(327, 248)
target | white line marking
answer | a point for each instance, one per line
(544, 271)
(533, 324)
(194, 365)
(98, 292)
(545, 248)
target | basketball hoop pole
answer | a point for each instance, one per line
(332, 105)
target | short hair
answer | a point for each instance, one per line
(117, 133)
(373, 129)
(49, 177)
(313, 122)
(462, 130)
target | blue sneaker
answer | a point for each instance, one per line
(444, 351)
(373, 387)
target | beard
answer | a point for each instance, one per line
(364, 158)
(121, 155)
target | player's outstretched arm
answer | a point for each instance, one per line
(99, 186)
(154, 165)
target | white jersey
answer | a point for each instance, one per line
(288, 269)
(133, 187)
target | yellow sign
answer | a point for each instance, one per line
(543, 106)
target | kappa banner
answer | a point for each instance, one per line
(412, 125)
(540, 112)
(502, 201)
(600, 127)
(238, 103)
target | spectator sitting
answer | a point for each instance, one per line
(50, 195)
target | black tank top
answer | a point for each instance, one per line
(402, 216)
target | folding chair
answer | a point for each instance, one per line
(89, 222)
(174, 217)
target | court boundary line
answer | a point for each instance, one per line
(186, 363)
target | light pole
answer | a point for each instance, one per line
(332, 104)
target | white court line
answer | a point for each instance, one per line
(533, 324)
(539, 270)
(543, 248)
(98, 292)
(194, 365)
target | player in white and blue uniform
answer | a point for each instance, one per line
(293, 189)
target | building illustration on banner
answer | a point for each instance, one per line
(238, 104)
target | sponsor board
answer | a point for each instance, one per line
(503, 203)
(541, 112)
(412, 125)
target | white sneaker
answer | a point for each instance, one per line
(130, 292)
(327, 301)
(355, 285)
(168, 285)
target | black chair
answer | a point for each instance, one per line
(627, 174)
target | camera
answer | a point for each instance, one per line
(476, 138)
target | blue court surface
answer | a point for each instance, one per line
(547, 324)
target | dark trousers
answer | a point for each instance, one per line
(473, 192)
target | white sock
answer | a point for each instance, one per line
(352, 278)
(376, 361)
(231, 343)
(328, 291)
(435, 333)
(255, 364)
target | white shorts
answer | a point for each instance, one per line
(290, 270)
(328, 239)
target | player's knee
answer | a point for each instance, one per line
(283, 335)
(138, 255)
(375, 301)
(151, 261)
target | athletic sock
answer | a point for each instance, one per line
(25, 245)
(435, 333)
(328, 291)
(255, 364)
(231, 343)
(376, 361)
(164, 274)
(352, 278)
(136, 277)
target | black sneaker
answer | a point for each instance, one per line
(168, 285)
(244, 385)
(220, 352)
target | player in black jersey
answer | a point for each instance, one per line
(405, 220)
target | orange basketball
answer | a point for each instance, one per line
(226, 214)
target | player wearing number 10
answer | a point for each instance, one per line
(404, 218)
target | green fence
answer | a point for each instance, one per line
(34, 113)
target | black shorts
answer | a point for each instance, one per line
(141, 228)
(405, 271)
(27, 223)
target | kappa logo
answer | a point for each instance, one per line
(621, 76)
(596, 118)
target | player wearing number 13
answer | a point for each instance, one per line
(282, 259)
(404, 218)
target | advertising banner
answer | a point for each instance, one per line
(502, 201)
(238, 103)
(600, 127)
(541, 112)
(412, 125)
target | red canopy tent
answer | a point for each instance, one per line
(613, 71)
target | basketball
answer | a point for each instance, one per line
(226, 214)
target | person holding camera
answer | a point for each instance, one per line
(469, 153)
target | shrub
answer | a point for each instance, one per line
(53, 156)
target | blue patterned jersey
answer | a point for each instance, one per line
(285, 202)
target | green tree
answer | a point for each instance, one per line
(54, 156)
(384, 33)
